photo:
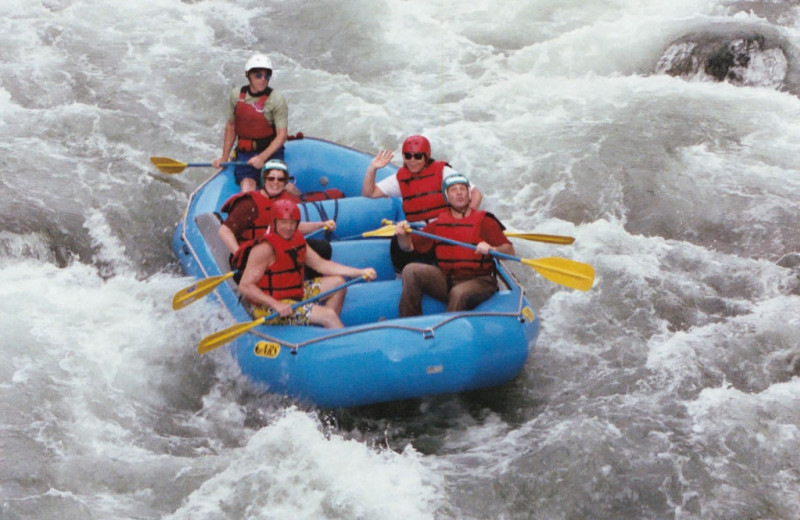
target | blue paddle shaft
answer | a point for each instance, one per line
(205, 165)
(315, 298)
(465, 244)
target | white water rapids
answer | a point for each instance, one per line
(670, 390)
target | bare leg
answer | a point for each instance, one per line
(328, 318)
(248, 184)
(336, 300)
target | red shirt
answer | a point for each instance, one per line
(242, 216)
(491, 233)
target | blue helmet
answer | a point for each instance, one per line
(274, 164)
(455, 178)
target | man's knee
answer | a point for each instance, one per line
(328, 318)
(408, 273)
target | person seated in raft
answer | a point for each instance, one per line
(463, 277)
(273, 277)
(419, 183)
(249, 212)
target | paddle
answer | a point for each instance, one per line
(562, 271)
(385, 231)
(197, 290)
(224, 336)
(536, 237)
(167, 165)
(316, 232)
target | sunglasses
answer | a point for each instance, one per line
(277, 179)
(260, 75)
(417, 156)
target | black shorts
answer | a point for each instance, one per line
(402, 258)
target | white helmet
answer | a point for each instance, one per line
(257, 61)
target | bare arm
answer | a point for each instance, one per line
(475, 198)
(309, 227)
(401, 231)
(257, 161)
(228, 238)
(330, 268)
(492, 231)
(484, 248)
(291, 188)
(261, 257)
(227, 144)
(368, 187)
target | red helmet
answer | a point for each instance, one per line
(285, 209)
(416, 144)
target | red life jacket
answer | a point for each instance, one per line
(253, 130)
(460, 261)
(284, 278)
(422, 192)
(263, 218)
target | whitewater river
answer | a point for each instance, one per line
(668, 391)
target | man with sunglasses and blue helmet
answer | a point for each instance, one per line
(419, 183)
(258, 123)
(462, 277)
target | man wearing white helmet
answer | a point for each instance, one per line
(258, 123)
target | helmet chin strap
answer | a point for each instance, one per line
(464, 212)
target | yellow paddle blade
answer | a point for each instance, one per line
(221, 337)
(167, 165)
(385, 231)
(197, 290)
(569, 273)
(536, 237)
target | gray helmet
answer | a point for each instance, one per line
(450, 180)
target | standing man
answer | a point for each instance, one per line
(258, 123)
(419, 183)
(463, 277)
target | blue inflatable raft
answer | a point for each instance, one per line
(378, 356)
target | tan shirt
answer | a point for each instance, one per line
(276, 110)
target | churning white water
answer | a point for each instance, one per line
(662, 135)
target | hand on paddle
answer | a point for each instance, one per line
(227, 335)
(283, 308)
(171, 166)
(535, 237)
(483, 248)
(562, 271)
(217, 163)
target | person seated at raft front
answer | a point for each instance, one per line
(273, 275)
(419, 183)
(258, 122)
(463, 277)
(249, 213)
